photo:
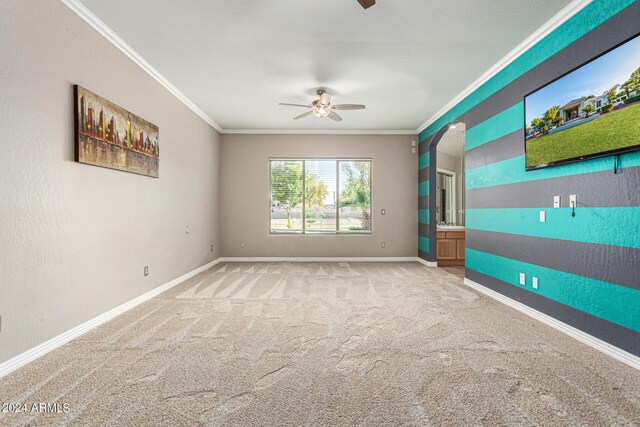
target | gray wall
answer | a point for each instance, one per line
(244, 196)
(75, 237)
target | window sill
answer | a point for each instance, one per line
(319, 233)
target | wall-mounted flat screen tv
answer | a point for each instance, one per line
(592, 111)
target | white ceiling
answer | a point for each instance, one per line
(404, 59)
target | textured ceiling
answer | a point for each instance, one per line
(403, 59)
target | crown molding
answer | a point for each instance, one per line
(83, 12)
(103, 29)
(318, 132)
(89, 17)
(547, 28)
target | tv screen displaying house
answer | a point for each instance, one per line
(592, 111)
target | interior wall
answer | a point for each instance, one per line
(588, 265)
(75, 238)
(245, 201)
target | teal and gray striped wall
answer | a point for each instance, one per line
(588, 265)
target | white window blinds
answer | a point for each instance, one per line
(332, 195)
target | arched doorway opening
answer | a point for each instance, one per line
(447, 172)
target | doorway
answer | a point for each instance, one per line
(450, 200)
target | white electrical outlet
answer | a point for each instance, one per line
(242, 244)
(383, 245)
(556, 201)
(211, 248)
(543, 216)
(383, 212)
(523, 279)
(187, 230)
(535, 283)
(146, 270)
(573, 201)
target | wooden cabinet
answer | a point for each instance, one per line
(446, 249)
(460, 245)
(450, 247)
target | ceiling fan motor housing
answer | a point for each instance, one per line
(367, 3)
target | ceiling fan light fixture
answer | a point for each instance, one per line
(322, 111)
(322, 107)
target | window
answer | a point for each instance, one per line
(320, 196)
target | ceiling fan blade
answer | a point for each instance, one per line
(348, 107)
(325, 98)
(303, 115)
(367, 3)
(294, 105)
(335, 117)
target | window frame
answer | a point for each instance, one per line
(304, 232)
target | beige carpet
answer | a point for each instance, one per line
(325, 344)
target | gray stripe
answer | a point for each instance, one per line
(612, 32)
(423, 146)
(432, 191)
(503, 148)
(423, 255)
(617, 335)
(423, 202)
(595, 189)
(423, 230)
(423, 174)
(612, 264)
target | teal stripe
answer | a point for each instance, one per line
(617, 304)
(512, 171)
(424, 161)
(423, 216)
(423, 188)
(617, 226)
(503, 123)
(423, 244)
(591, 16)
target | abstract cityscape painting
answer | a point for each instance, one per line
(110, 136)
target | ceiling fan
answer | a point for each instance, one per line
(367, 3)
(322, 107)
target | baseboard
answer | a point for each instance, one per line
(322, 259)
(427, 263)
(583, 337)
(42, 349)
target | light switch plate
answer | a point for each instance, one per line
(573, 201)
(522, 279)
(535, 283)
(383, 245)
(556, 201)
(543, 216)
(383, 212)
